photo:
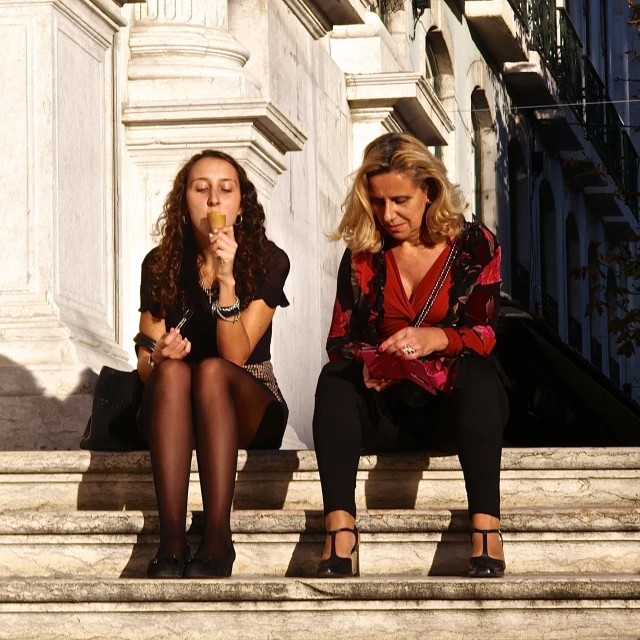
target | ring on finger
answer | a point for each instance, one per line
(408, 349)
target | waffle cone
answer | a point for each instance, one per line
(217, 220)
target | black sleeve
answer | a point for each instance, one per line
(271, 290)
(147, 303)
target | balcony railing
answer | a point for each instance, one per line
(575, 334)
(630, 166)
(542, 22)
(603, 125)
(550, 311)
(595, 93)
(596, 353)
(569, 69)
(614, 371)
(520, 7)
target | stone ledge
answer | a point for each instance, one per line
(392, 589)
(258, 111)
(410, 95)
(137, 462)
(374, 521)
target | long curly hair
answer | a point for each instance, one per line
(404, 154)
(174, 270)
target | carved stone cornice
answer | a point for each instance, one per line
(258, 112)
(319, 17)
(410, 95)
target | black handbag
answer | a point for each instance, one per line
(112, 425)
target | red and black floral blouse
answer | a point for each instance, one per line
(371, 303)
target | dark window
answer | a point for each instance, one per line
(604, 41)
(586, 12)
(432, 71)
(476, 145)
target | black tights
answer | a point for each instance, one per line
(348, 416)
(226, 408)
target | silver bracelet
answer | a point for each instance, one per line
(233, 318)
(226, 312)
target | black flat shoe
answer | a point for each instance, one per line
(209, 567)
(484, 566)
(170, 568)
(336, 567)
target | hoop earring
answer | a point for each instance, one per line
(238, 222)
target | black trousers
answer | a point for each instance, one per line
(349, 417)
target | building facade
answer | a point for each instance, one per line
(530, 105)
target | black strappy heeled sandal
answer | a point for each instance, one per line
(484, 566)
(337, 567)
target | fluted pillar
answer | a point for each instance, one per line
(183, 49)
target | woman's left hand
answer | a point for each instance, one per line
(412, 343)
(224, 247)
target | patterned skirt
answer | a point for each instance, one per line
(263, 371)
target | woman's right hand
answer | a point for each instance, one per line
(373, 383)
(171, 346)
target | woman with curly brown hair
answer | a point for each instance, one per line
(413, 325)
(210, 382)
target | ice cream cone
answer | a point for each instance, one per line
(217, 220)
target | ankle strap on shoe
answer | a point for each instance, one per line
(344, 529)
(485, 533)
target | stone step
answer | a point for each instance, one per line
(544, 477)
(515, 607)
(289, 543)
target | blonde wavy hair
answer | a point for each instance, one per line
(404, 154)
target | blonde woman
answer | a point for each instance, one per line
(418, 289)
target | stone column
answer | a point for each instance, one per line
(58, 293)
(183, 49)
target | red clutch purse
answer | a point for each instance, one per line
(383, 366)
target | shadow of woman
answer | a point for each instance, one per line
(400, 480)
(451, 554)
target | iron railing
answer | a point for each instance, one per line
(614, 371)
(550, 311)
(569, 69)
(630, 165)
(575, 334)
(543, 32)
(520, 8)
(594, 93)
(596, 353)
(603, 126)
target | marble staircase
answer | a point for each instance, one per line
(77, 530)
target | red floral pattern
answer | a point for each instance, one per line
(471, 319)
